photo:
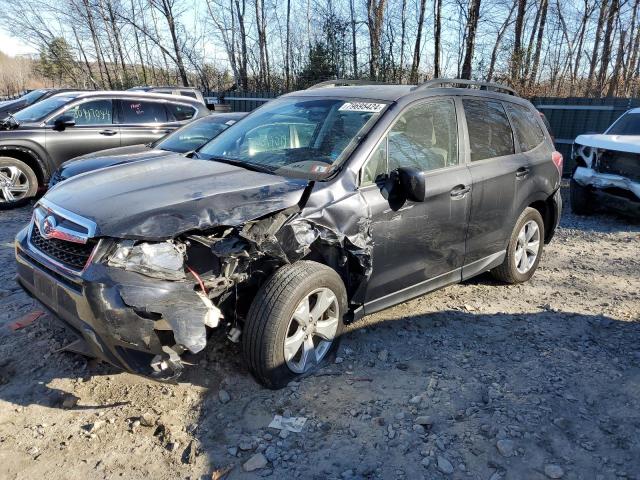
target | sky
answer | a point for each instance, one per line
(13, 46)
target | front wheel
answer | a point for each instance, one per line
(18, 183)
(524, 250)
(294, 322)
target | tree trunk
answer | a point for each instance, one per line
(287, 52)
(596, 45)
(472, 27)
(437, 29)
(244, 79)
(413, 77)
(606, 46)
(403, 23)
(516, 57)
(354, 45)
(615, 76)
(536, 57)
(496, 47)
(375, 15)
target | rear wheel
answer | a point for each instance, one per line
(524, 250)
(18, 183)
(581, 198)
(294, 323)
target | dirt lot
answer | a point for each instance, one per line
(479, 381)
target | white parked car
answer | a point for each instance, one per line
(608, 165)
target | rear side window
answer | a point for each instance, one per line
(527, 129)
(137, 111)
(96, 112)
(489, 129)
(179, 113)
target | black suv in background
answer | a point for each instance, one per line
(319, 207)
(186, 139)
(12, 106)
(37, 139)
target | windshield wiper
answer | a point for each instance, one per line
(239, 163)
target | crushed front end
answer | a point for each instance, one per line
(614, 173)
(141, 305)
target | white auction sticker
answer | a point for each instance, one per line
(362, 107)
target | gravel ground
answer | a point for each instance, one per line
(479, 381)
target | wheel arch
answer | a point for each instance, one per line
(29, 156)
(548, 212)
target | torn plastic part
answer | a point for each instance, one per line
(178, 304)
(169, 363)
(587, 153)
(588, 177)
(213, 315)
(163, 260)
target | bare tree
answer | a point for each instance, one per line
(375, 16)
(413, 77)
(471, 29)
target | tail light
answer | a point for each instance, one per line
(557, 161)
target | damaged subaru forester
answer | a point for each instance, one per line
(320, 207)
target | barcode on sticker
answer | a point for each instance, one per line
(362, 107)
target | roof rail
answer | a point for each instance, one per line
(344, 83)
(459, 82)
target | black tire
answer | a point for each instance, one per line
(508, 271)
(270, 315)
(27, 174)
(581, 198)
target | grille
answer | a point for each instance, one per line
(71, 255)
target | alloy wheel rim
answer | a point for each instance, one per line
(311, 330)
(14, 184)
(527, 246)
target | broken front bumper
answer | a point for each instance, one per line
(119, 314)
(587, 177)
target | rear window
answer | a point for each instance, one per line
(489, 129)
(179, 113)
(528, 132)
(140, 111)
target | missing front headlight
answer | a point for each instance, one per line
(159, 260)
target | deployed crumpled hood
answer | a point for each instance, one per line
(163, 197)
(108, 158)
(621, 143)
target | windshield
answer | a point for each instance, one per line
(193, 135)
(41, 109)
(300, 137)
(628, 124)
(33, 96)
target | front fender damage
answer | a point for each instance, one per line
(224, 267)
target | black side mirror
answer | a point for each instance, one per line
(412, 183)
(64, 121)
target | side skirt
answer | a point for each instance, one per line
(483, 265)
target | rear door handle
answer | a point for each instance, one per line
(522, 172)
(108, 133)
(459, 191)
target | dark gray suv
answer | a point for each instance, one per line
(320, 207)
(36, 140)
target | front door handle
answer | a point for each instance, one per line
(459, 191)
(108, 133)
(522, 172)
